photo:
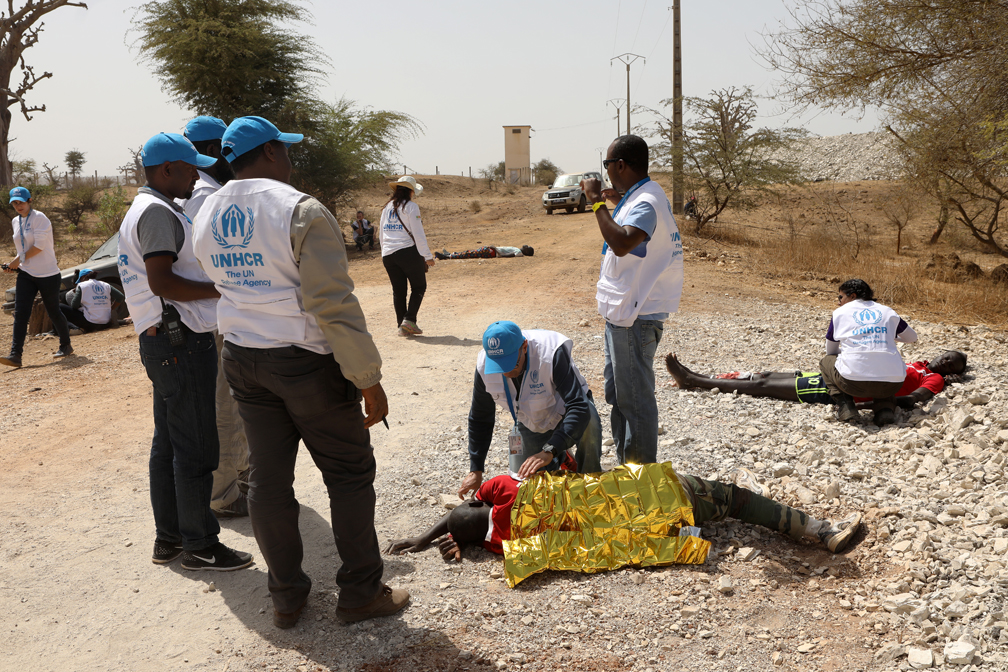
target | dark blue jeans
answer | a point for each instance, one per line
(630, 388)
(25, 289)
(185, 447)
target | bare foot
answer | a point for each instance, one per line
(679, 372)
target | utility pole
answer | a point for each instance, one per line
(677, 139)
(627, 59)
(617, 103)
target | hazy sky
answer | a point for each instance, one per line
(463, 69)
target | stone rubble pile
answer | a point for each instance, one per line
(846, 158)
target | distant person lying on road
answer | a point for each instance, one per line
(488, 252)
(923, 381)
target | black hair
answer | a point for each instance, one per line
(859, 288)
(527, 250)
(240, 163)
(634, 152)
(400, 197)
(202, 146)
(469, 522)
(962, 356)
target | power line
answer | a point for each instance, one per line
(658, 41)
(561, 128)
(615, 36)
(627, 59)
(634, 43)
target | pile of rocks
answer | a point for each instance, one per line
(846, 158)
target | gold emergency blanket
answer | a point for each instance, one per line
(592, 522)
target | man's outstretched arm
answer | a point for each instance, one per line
(417, 544)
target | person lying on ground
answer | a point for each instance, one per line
(89, 305)
(486, 518)
(923, 381)
(532, 375)
(488, 252)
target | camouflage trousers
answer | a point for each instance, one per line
(714, 501)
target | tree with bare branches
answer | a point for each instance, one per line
(19, 30)
(727, 161)
(937, 70)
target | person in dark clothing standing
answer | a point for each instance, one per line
(405, 252)
(38, 273)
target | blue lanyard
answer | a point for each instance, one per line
(631, 190)
(22, 222)
(507, 393)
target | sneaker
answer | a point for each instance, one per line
(845, 408)
(402, 332)
(287, 621)
(217, 558)
(411, 328)
(11, 360)
(388, 602)
(165, 552)
(63, 352)
(747, 479)
(236, 509)
(884, 416)
(836, 536)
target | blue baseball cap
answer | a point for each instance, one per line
(83, 272)
(19, 194)
(205, 128)
(501, 342)
(247, 133)
(168, 147)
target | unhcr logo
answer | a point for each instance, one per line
(535, 376)
(867, 316)
(232, 231)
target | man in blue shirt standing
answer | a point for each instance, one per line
(639, 287)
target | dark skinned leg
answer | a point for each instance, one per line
(775, 386)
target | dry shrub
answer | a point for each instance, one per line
(475, 206)
(721, 233)
(899, 282)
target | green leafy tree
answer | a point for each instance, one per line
(228, 58)
(726, 161)
(23, 170)
(19, 30)
(937, 73)
(545, 172)
(231, 58)
(75, 162)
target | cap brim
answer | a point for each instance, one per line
(290, 138)
(203, 161)
(18, 198)
(501, 364)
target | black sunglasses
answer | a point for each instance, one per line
(605, 164)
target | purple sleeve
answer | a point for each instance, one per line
(900, 328)
(829, 332)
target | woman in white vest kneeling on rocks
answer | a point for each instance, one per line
(861, 356)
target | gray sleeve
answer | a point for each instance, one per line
(160, 232)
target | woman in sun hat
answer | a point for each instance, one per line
(37, 273)
(405, 252)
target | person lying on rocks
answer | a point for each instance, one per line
(923, 381)
(488, 252)
(486, 519)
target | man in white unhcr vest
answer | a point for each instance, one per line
(861, 356)
(230, 479)
(639, 286)
(173, 306)
(531, 375)
(298, 358)
(89, 305)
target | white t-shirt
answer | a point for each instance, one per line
(393, 230)
(35, 230)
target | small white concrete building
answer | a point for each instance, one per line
(517, 155)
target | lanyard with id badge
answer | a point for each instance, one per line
(516, 450)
